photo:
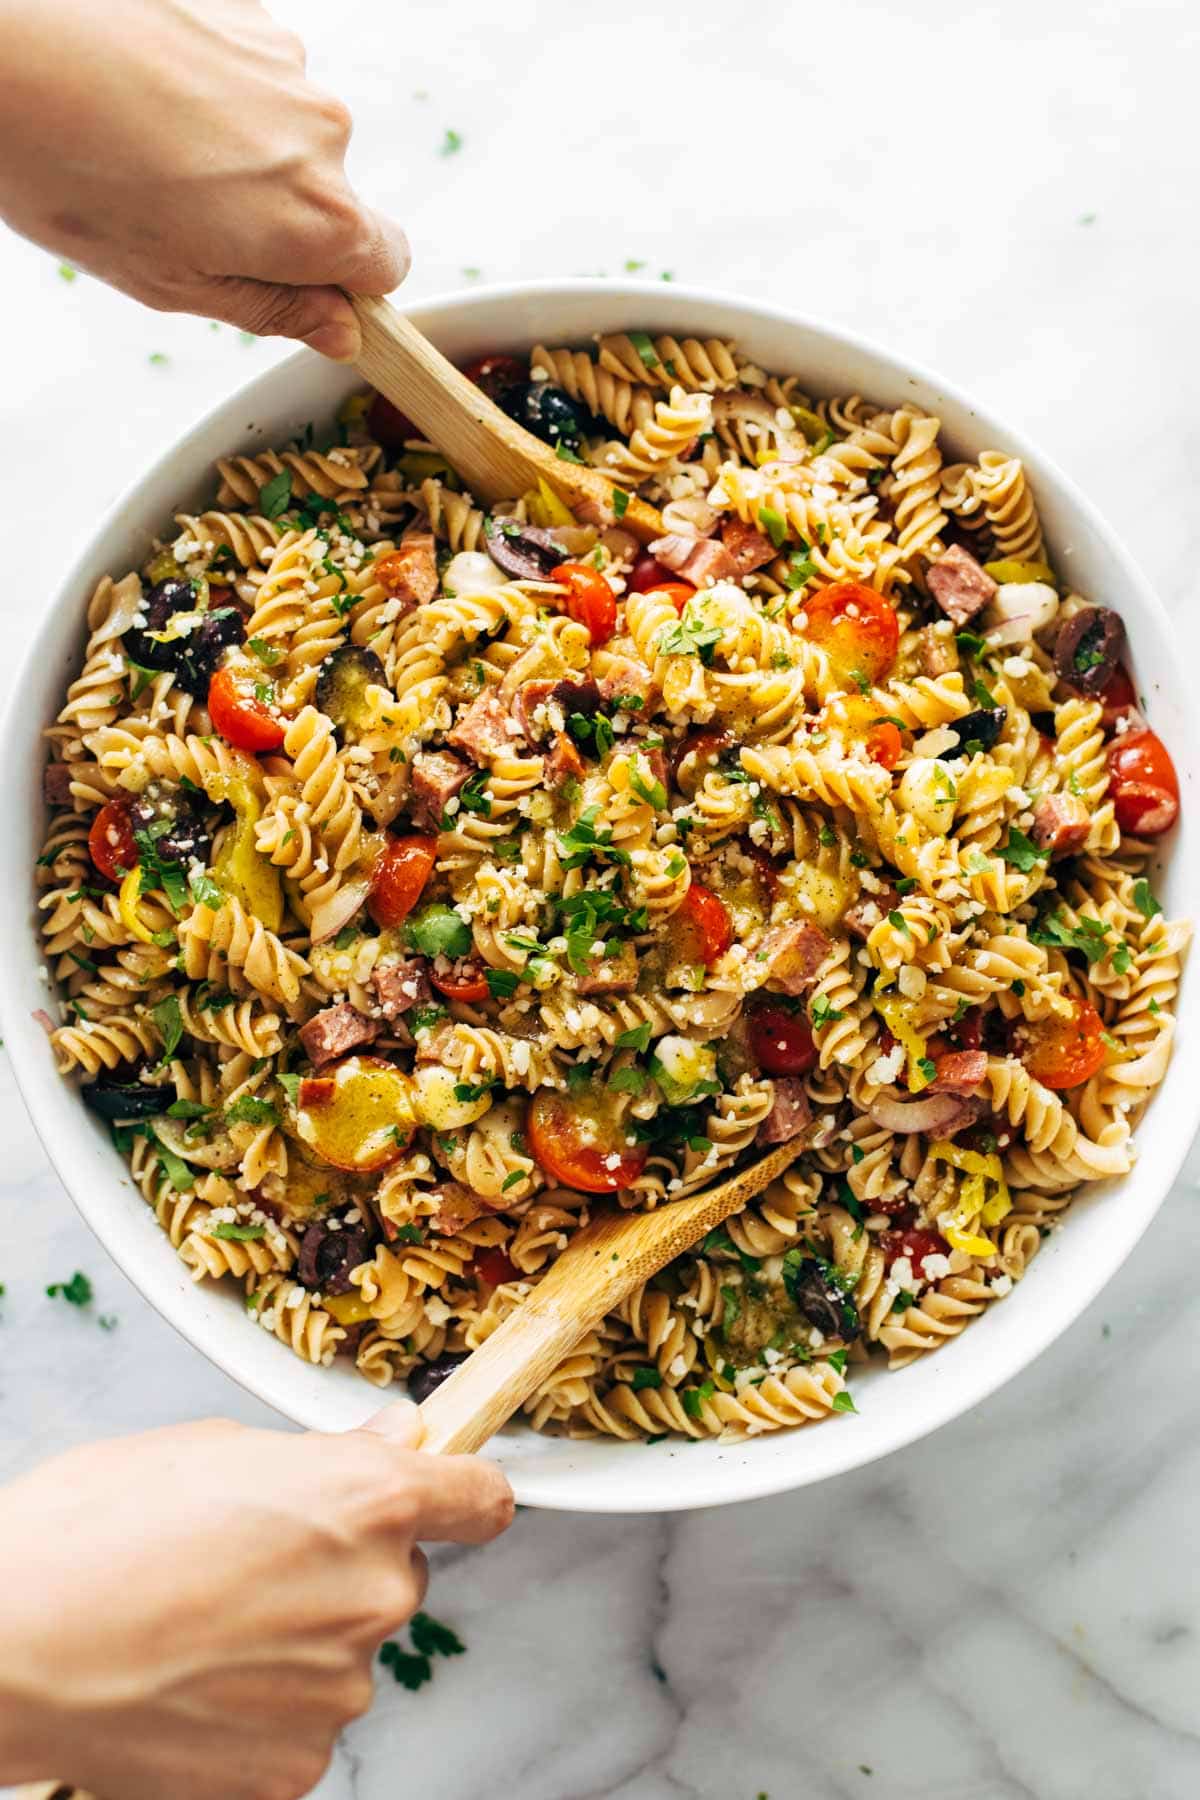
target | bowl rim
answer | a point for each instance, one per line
(716, 1483)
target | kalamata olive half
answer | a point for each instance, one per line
(548, 411)
(526, 552)
(119, 1101)
(979, 730)
(328, 1255)
(193, 656)
(822, 1302)
(1089, 647)
(342, 685)
(427, 1376)
(164, 600)
(187, 835)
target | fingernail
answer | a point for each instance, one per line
(338, 339)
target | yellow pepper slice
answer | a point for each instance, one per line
(980, 1248)
(127, 906)
(1009, 569)
(811, 424)
(545, 508)
(241, 868)
(348, 1309)
(897, 1016)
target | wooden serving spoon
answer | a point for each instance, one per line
(497, 458)
(598, 1269)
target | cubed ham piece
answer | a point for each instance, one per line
(610, 974)
(56, 784)
(866, 912)
(485, 729)
(627, 679)
(457, 1207)
(412, 576)
(399, 986)
(437, 775)
(794, 953)
(750, 549)
(958, 1072)
(335, 1032)
(789, 1114)
(563, 763)
(433, 1043)
(533, 699)
(699, 560)
(1060, 824)
(959, 584)
(937, 652)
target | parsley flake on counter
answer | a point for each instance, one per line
(76, 1292)
(451, 143)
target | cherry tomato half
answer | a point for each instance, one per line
(465, 981)
(705, 918)
(913, 1243)
(590, 600)
(1063, 1052)
(240, 717)
(388, 425)
(110, 841)
(781, 1041)
(856, 628)
(647, 573)
(493, 1268)
(677, 592)
(1143, 784)
(399, 876)
(495, 373)
(580, 1141)
(857, 716)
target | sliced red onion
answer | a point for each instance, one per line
(937, 1114)
(329, 918)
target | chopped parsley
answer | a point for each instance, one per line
(822, 1013)
(637, 1038)
(250, 1111)
(451, 144)
(502, 983)
(690, 636)
(1090, 936)
(644, 345)
(76, 1292)
(694, 1398)
(843, 1403)
(1021, 852)
(275, 495)
(1144, 900)
(645, 1378)
(240, 1234)
(984, 695)
(467, 1091)
(169, 1025)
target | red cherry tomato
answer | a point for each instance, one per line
(858, 716)
(855, 626)
(913, 1243)
(465, 981)
(706, 919)
(580, 1141)
(399, 876)
(1063, 1052)
(647, 573)
(493, 1268)
(495, 373)
(1118, 695)
(968, 1033)
(1143, 784)
(590, 600)
(895, 1206)
(677, 592)
(110, 841)
(781, 1042)
(388, 425)
(240, 717)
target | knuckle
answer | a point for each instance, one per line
(335, 114)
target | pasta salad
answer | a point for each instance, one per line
(421, 877)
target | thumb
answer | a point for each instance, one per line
(400, 1422)
(320, 317)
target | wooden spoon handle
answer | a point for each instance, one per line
(497, 458)
(602, 1265)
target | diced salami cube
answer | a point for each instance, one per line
(56, 784)
(486, 729)
(412, 570)
(537, 704)
(958, 1072)
(789, 1114)
(960, 585)
(937, 652)
(335, 1032)
(1060, 824)
(563, 762)
(866, 912)
(750, 549)
(699, 560)
(794, 953)
(399, 986)
(627, 678)
(610, 974)
(437, 775)
(456, 1208)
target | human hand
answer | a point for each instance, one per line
(194, 1611)
(175, 149)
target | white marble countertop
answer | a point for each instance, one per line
(1011, 1608)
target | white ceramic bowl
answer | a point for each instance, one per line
(600, 1476)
